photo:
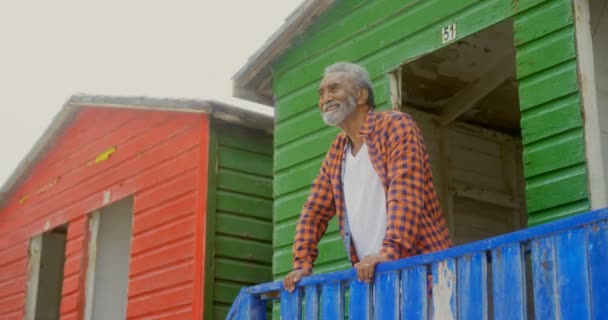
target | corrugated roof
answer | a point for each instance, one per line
(217, 110)
(253, 81)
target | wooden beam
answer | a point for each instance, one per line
(33, 276)
(596, 172)
(466, 98)
(496, 198)
(91, 264)
(394, 79)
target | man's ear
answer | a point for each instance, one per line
(362, 96)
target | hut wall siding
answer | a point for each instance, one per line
(240, 217)
(382, 35)
(105, 155)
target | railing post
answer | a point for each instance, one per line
(251, 308)
(291, 304)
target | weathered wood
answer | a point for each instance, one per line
(386, 297)
(332, 302)
(560, 151)
(252, 308)
(291, 304)
(557, 188)
(311, 294)
(508, 282)
(572, 274)
(544, 278)
(486, 196)
(473, 286)
(414, 293)
(597, 235)
(360, 304)
(470, 95)
(444, 290)
(591, 106)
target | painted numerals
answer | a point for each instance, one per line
(448, 33)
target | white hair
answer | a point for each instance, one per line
(358, 74)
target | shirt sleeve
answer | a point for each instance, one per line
(317, 211)
(405, 194)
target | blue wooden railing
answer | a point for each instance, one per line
(554, 271)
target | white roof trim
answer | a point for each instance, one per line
(245, 83)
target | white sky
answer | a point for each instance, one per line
(175, 49)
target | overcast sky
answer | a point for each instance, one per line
(50, 50)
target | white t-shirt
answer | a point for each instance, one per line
(365, 203)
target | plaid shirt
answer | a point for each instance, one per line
(415, 223)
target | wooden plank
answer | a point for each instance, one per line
(241, 271)
(554, 49)
(557, 213)
(244, 183)
(555, 188)
(542, 20)
(245, 227)
(559, 151)
(386, 297)
(33, 276)
(495, 198)
(548, 85)
(593, 98)
(309, 146)
(289, 206)
(244, 249)
(291, 304)
(597, 235)
(332, 300)
(444, 290)
(335, 26)
(508, 282)
(300, 126)
(466, 98)
(245, 139)
(360, 305)
(555, 117)
(311, 311)
(226, 292)
(297, 177)
(414, 293)
(572, 274)
(544, 278)
(473, 286)
(245, 205)
(245, 161)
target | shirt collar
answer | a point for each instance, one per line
(366, 129)
(369, 124)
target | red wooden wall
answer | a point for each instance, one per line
(160, 158)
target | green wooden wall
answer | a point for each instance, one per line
(382, 35)
(239, 215)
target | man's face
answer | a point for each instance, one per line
(337, 98)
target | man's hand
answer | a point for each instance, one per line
(293, 277)
(366, 267)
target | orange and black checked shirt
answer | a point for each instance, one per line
(415, 223)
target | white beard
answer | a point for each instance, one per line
(340, 113)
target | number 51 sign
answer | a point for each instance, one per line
(448, 33)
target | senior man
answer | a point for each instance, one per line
(376, 177)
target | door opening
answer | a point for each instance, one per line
(45, 279)
(465, 99)
(109, 256)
